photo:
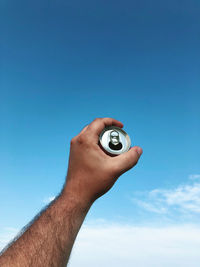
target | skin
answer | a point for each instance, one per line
(49, 239)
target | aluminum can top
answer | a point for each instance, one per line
(114, 140)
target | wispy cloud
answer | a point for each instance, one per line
(184, 198)
(47, 200)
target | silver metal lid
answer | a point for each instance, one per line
(114, 140)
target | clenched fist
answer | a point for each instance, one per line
(91, 172)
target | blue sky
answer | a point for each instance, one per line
(63, 63)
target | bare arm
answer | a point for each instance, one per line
(91, 173)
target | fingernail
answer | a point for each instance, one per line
(139, 151)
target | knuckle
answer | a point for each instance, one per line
(73, 141)
(107, 119)
(97, 119)
(82, 139)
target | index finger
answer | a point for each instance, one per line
(97, 126)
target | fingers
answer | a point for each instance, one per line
(99, 124)
(127, 160)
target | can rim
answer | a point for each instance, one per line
(123, 132)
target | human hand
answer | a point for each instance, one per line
(91, 172)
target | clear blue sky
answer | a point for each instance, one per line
(63, 63)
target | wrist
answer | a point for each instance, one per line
(71, 196)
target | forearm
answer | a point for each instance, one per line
(49, 240)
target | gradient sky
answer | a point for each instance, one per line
(63, 63)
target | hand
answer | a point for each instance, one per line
(91, 172)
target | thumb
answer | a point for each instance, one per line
(128, 159)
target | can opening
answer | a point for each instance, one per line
(115, 143)
(115, 147)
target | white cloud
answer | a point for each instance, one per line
(119, 245)
(7, 234)
(101, 243)
(127, 245)
(48, 199)
(151, 207)
(184, 198)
